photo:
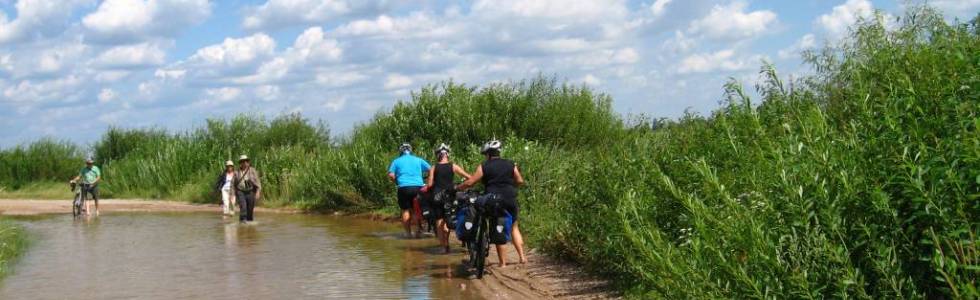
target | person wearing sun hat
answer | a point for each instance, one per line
(248, 188)
(90, 176)
(223, 186)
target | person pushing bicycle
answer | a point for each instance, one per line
(441, 178)
(90, 176)
(406, 172)
(501, 177)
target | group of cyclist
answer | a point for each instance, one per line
(499, 176)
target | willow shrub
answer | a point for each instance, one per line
(861, 181)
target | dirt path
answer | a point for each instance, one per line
(542, 277)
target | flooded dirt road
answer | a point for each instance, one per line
(199, 255)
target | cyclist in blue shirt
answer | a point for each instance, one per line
(406, 172)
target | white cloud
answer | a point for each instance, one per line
(397, 81)
(659, 7)
(279, 13)
(234, 53)
(267, 92)
(806, 42)
(36, 18)
(591, 80)
(723, 60)
(731, 22)
(221, 95)
(131, 56)
(128, 20)
(963, 9)
(561, 10)
(335, 104)
(843, 16)
(106, 95)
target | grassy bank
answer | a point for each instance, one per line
(12, 243)
(860, 180)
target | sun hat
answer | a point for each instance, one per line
(229, 164)
(89, 161)
(243, 157)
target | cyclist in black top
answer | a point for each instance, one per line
(441, 178)
(501, 177)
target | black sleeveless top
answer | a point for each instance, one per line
(443, 177)
(498, 177)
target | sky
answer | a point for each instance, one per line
(71, 68)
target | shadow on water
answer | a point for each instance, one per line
(202, 256)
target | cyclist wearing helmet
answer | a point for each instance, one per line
(441, 178)
(502, 177)
(406, 172)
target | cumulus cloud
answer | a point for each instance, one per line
(724, 60)
(131, 56)
(397, 81)
(843, 16)
(129, 20)
(106, 95)
(963, 9)
(281, 13)
(806, 42)
(731, 22)
(36, 18)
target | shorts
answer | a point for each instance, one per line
(406, 195)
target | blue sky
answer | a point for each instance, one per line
(71, 68)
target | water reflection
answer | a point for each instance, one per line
(201, 256)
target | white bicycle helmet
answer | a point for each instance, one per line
(443, 148)
(490, 146)
(405, 147)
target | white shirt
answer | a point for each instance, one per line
(228, 179)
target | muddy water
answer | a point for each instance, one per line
(202, 256)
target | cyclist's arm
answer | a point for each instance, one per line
(76, 178)
(518, 178)
(461, 172)
(472, 180)
(391, 172)
(432, 174)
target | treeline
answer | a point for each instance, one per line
(860, 180)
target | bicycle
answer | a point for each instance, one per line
(78, 204)
(486, 224)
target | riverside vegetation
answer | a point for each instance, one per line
(859, 180)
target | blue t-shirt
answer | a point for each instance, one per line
(408, 170)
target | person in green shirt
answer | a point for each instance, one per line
(89, 177)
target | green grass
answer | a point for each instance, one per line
(13, 240)
(861, 180)
(39, 190)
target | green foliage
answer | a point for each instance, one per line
(13, 240)
(43, 160)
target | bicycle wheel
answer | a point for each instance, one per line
(76, 205)
(482, 249)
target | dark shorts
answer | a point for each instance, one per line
(406, 195)
(92, 190)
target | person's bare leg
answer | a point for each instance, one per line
(442, 231)
(515, 234)
(96, 206)
(501, 256)
(406, 222)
